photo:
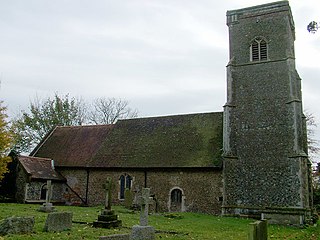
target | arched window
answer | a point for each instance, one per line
(128, 181)
(259, 50)
(125, 182)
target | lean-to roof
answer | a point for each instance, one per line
(39, 168)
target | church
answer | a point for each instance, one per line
(249, 160)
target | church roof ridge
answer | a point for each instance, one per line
(171, 116)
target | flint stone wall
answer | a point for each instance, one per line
(77, 180)
(198, 187)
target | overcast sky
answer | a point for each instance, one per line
(164, 56)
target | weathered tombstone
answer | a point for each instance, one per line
(258, 230)
(58, 221)
(16, 225)
(107, 218)
(135, 204)
(143, 231)
(47, 206)
(128, 198)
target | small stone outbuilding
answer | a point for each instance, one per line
(32, 174)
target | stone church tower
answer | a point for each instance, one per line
(266, 167)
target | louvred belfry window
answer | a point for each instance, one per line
(259, 50)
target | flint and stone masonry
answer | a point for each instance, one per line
(266, 168)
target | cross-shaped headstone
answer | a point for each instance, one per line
(47, 206)
(145, 200)
(49, 191)
(107, 187)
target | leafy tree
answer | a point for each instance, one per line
(43, 116)
(6, 141)
(109, 110)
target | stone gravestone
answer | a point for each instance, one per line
(128, 198)
(58, 221)
(16, 225)
(258, 230)
(47, 206)
(143, 231)
(107, 218)
(135, 203)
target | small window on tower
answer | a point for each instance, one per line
(259, 50)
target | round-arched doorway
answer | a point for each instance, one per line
(176, 200)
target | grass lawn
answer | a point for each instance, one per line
(178, 226)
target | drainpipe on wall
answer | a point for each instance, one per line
(145, 179)
(87, 185)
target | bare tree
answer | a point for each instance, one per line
(313, 144)
(109, 110)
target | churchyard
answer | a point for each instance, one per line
(167, 225)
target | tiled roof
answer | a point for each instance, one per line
(39, 168)
(72, 145)
(192, 140)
